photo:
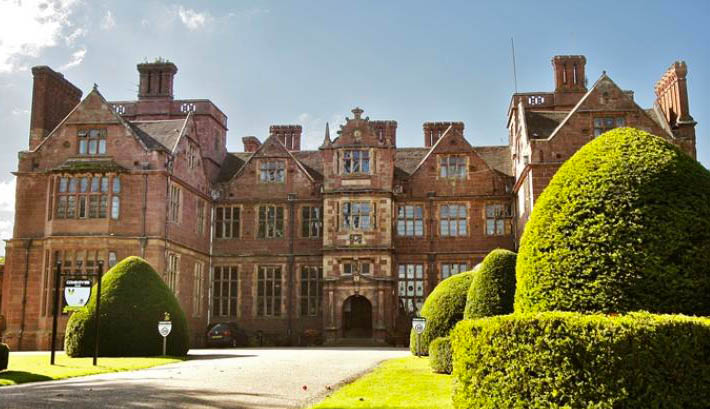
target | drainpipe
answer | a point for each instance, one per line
(28, 244)
(291, 273)
(144, 239)
(210, 271)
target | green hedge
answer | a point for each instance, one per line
(440, 357)
(624, 225)
(4, 356)
(443, 308)
(133, 300)
(571, 360)
(492, 290)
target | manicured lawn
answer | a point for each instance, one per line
(35, 367)
(398, 383)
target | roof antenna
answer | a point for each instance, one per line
(515, 74)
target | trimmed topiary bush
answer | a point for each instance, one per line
(492, 290)
(133, 300)
(4, 356)
(570, 360)
(443, 308)
(624, 225)
(440, 355)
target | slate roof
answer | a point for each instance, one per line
(541, 124)
(233, 161)
(72, 165)
(497, 157)
(406, 161)
(159, 134)
(311, 160)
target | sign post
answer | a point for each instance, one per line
(418, 324)
(77, 292)
(164, 328)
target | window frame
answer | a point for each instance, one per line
(233, 223)
(172, 273)
(310, 304)
(411, 302)
(224, 304)
(447, 268)
(175, 203)
(311, 223)
(272, 171)
(501, 215)
(198, 289)
(85, 137)
(348, 218)
(86, 196)
(361, 267)
(602, 124)
(453, 221)
(355, 158)
(269, 277)
(269, 227)
(404, 220)
(456, 162)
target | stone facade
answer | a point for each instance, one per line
(344, 241)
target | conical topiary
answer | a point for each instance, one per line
(133, 299)
(624, 225)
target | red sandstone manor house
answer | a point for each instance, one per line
(345, 241)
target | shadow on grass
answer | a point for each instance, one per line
(23, 377)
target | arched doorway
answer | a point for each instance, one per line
(357, 317)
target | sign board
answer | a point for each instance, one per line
(164, 327)
(77, 292)
(418, 324)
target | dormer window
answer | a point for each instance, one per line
(452, 166)
(92, 142)
(272, 171)
(356, 161)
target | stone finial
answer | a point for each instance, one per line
(357, 112)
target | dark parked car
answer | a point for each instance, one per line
(226, 334)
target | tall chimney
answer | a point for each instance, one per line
(156, 80)
(289, 135)
(569, 73)
(435, 130)
(53, 97)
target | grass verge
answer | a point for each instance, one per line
(403, 383)
(35, 367)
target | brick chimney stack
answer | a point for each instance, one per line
(156, 80)
(569, 73)
(434, 130)
(672, 97)
(53, 97)
(289, 135)
(251, 143)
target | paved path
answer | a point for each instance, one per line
(229, 378)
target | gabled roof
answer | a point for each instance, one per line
(497, 157)
(160, 133)
(602, 78)
(541, 124)
(406, 160)
(232, 163)
(273, 139)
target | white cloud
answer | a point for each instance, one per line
(71, 38)
(7, 195)
(314, 129)
(17, 111)
(76, 58)
(108, 22)
(7, 211)
(192, 19)
(28, 26)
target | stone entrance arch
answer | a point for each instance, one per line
(357, 317)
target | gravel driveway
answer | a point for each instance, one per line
(228, 378)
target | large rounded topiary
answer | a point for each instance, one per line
(492, 290)
(133, 300)
(623, 225)
(443, 308)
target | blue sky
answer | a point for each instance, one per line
(308, 62)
